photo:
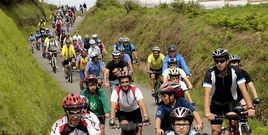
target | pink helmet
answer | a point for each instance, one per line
(73, 101)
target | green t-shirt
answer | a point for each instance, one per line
(95, 105)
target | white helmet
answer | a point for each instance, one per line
(92, 42)
(94, 54)
(94, 35)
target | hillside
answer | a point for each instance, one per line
(196, 32)
(30, 99)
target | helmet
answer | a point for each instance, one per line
(47, 29)
(125, 39)
(174, 72)
(220, 52)
(171, 48)
(234, 58)
(116, 53)
(124, 74)
(120, 39)
(170, 88)
(86, 36)
(94, 54)
(94, 35)
(92, 78)
(156, 48)
(172, 61)
(121, 49)
(68, 41)
(85, 101)
(181, 113)
(92, 42)
(98, 40)
(72, 101)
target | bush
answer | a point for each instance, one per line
(105, 4)
(130, 5)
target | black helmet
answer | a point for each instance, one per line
(220, 52)
(171, 48)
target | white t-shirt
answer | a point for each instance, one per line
(127, 102)
(183, 85)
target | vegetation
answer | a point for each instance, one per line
(30, 99)
(196, 32)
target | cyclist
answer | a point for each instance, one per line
(52, 48)
(101, 45)
(97, 101)
(220, 89)
(234, 60)
(42, 24)
(172, 73)
(127, 103)
(93, 47)
(126, 59)
(118, 44)
(86, 42)
(170, 101)
(68, 54)
(181, 122)
(32, 41)
(78, 38)
(95, 37)
(130, 49)
(180, 60)
(81, 62)
(75, 120)
(112, 70)
(154, 66)
(95, 66)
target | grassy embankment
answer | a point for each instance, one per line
(196, 32)
(30, 99)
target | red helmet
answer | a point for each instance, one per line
(73, 101)
(170, 88)
(92, 78)
(124, 74)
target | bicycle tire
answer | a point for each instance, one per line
(54, 65)
(245, 129)
(32, 49)
(70, 74)
(157, 95)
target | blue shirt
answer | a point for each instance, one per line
(94, 68)
(180, 63)
(163, 112)
(126, 58)
(192, 132)
(129, 49)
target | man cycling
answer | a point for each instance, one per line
(170, 101)
(32, 41)
(113, 68)
(126, 59)
(78, 38)
(81, 62)
(130, 49)
(42, 24)
(75, 120)
(181, 122)
(220, 89)
(127, 103)
(180, 60)
(154, 66)
(175, 74)
(93, 47)
(68, 54)
(95, 67)
(118, 44)
(52, 48)
(234, 60)
(97, 101)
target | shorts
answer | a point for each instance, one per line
(134, 116)
(82, 75)
(157, 74)
(102, 120)
(66, 62)
(220, 110)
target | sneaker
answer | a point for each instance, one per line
(66, 77)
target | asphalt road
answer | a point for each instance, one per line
(74, 87)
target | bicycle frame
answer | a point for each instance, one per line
(157, 85)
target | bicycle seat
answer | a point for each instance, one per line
(232, 116)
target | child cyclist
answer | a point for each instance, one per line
(181, 122)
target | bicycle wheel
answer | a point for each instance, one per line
(157, 94)
(70, 74)
(32, 49)
(245, 129)
(54, 64)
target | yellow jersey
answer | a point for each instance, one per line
(83, 62)
(67, 52)
(156, 64)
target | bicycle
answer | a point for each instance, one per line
(156, 95)
(70, 72)
(53, 61)
(237, 122)
(130, 128)
(32, 47)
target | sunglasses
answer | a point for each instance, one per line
(181, 125)
(219, 61)
(74, 113)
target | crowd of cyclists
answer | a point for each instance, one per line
(86, 112)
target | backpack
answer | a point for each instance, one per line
(118, 88)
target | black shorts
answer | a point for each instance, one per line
(157, 73)
(66, 62)
(102, 120)
(134, 116)
(221, 110)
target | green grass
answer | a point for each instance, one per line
(30, 99)
(196, 32)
